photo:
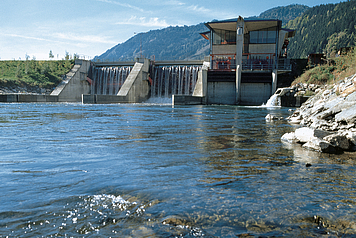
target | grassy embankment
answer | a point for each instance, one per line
(33, 73)
(334, 70)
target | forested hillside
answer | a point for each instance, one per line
(180, 43)
(323, 28)
(171, 43)
(285, 14)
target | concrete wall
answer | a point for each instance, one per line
(75, 84)
(27, 98)
(221, 93)
(136, 87)
(103, 99)
(187, 100)
(224, 49)
(201, 87)
(255, 94)
(262, 48)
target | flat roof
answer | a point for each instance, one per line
(250, 24)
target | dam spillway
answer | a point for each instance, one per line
(107, 80)
(164, 80)
(169, 80)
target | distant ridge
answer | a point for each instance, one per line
(181, 42)
(285, 14)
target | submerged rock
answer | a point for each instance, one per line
(270, 117)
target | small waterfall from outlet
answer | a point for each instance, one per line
(107, 80)
(170, 80)
(273, 101)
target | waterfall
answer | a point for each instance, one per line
(170, 80)
(107, 80)
(273, 101)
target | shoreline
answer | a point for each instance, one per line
(327, 119)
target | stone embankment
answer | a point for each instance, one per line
(328, 119)
(24, 90)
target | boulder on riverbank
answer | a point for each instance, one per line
(328, 119)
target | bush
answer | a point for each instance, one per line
(337, 68)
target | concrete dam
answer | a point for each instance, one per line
(121, 82)
(242, 68)
(185, 82)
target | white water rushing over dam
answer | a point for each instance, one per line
(170, 80)
(107, 80)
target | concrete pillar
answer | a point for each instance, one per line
(201, 86)
(274, 81)
(205, 85)
(239, 50)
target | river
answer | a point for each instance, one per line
(154, 170)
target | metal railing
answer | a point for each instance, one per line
(228, 62)
(284, 64)
(257, 64)
(223, 62)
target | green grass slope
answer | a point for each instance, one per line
(32, 73)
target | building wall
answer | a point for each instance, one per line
(221, 93)
(282, 36)
(262, 48)
(224, 49)
(255, 93)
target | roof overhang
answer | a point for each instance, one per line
(205, 35)
(250, 25)
(291, 33)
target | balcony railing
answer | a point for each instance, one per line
(255, 64)
(228, 62)
(284, 64)
(224, 62)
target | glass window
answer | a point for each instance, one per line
(221, 37)
(217, 37)
(264, 36)
(271, 37)
(253, 37)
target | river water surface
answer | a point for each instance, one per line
(153, 170)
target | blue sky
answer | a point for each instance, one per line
(90, 27)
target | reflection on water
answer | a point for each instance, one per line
(153, 170)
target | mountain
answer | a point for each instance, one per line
(171, 43)
(181, 42)
(323, 29)
(285, 14)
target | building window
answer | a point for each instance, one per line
(221, 37)
(264, 36)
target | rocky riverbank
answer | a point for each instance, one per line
(328, 119)
(24, 90)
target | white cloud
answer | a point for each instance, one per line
(143, 21)
(122, 5)
(172, 3)
(197, 8)
(29, 37)
(83, 38)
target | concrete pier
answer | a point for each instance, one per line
(75, 83)
(239, 50)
